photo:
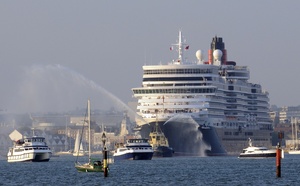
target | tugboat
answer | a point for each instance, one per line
(160, 143)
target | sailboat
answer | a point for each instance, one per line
(295, 149)
(93, 165)
(78, 147)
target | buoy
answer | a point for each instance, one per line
(105, 167)
(278, 162)
(105, 164)
(278, 155)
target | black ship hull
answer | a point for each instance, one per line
(188, 138)
(265, 155)
(163, 151)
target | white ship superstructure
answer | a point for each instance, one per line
(214, 95)
(33, 149)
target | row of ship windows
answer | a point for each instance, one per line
(169, 111)
(34, 148)
(230, 88)
(239, 100)
(237, 133)
(229, 93)
(175, 91)
(233, 96)
(34, 140)
(243, 139)
(228, 107)
(179, 71)
(166, 79)
(178, 79)
(178, 85)
(250, 121)
(17, 157)
(138, 148)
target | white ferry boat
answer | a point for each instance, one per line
(134, 149)
(32, 149)
(203, 107)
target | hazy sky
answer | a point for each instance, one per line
(56, 54)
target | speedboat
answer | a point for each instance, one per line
(257, 152)
(29, 149)
(134, 149)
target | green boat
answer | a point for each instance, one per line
(94, 164)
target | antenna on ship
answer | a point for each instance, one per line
(32, 131)
(180, 53)
(181, 46)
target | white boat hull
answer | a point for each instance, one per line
(79, 154)
(294, 152)
(35, 156)
(258, 155)
(133, 155)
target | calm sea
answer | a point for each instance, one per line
(158, 171)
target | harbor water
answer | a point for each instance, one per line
(228, 170)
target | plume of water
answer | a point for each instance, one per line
(191, 129)
(58, 88)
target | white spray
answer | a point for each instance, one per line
(57, 88)
(198, 145)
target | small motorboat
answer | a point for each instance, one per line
(257, 152)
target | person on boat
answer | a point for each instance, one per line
(97, 163)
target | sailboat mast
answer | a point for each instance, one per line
(66, 135)
(293, 138)
(296, 131)
(89, 123)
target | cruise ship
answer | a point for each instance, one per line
(204, 107)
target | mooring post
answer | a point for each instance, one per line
(278, 155)
(278, 161)
(105, 163)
